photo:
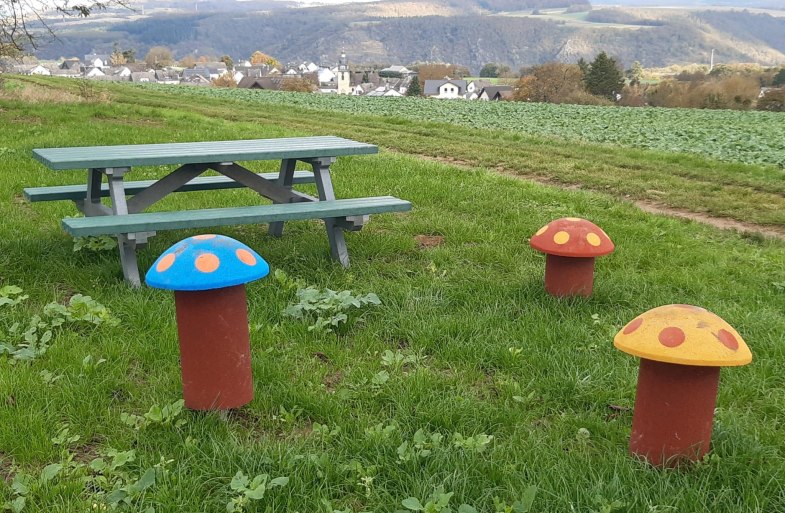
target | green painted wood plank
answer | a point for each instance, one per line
(199, 152)
(159, 221)
(202, 183)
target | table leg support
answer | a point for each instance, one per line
(321, 173)
(128, 260)
(285, 179)
(125, 242)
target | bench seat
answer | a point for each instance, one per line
(184, 219)
(201, 183)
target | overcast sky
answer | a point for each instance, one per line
(669, 3)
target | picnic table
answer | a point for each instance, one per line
(125, 214)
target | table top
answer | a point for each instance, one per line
(199, 152)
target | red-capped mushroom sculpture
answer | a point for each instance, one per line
(571, 244)
(682, 348)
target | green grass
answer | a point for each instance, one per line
(750, 137)
(693, 183)
(461, 306)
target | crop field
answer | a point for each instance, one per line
(466, 389)
(749, 137)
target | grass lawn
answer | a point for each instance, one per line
(467, 380)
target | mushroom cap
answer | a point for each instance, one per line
(685, 335)
(204, 262)
(572, 237)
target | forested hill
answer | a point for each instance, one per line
(467, 32)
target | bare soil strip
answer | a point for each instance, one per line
(650, 207)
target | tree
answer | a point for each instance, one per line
(584, 66)
(262, 58)
(490, 70)
(228, 61)
(225, 80)
(604, 77)
(635, 73)
(414, 88)
(189, 61)
(22, 26)
(439, 71)
(297, 85)
(117, 58)
(779, 78)
(493, 70)
(130, 55)
(159, 57)
(553, 82)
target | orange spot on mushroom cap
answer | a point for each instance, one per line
(593, 239)
(632, 326)
(728, 340)
(671, 336)
(561, 237)
(542, 230)
(165, 262)
(206, 236)
(245, 256)
(207, 262)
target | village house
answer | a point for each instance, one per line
(32, 69)
(72, 64)
(445, 89)
(94, 72)
(95, 60)
(399, 71)
(496, 93)
(265, 83)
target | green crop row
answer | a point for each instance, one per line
(749, 137)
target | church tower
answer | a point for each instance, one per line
(344, 80)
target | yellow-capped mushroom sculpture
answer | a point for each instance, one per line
(682, 348)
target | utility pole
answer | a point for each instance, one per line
(711, 64)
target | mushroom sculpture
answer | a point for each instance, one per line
(208, 275)
(682, 348)
(571, 245)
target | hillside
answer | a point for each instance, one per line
(467, 32)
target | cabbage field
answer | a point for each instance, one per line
(750, 137)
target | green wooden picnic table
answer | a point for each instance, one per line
(125, 216)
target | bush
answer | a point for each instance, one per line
(298, 85)
(772, 101)
(731, 92)
(225, 81)
(581, 97)
(633, 96)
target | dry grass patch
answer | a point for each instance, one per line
(34, 93)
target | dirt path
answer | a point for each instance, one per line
(650, 207)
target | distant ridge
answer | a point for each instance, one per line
(467, 32)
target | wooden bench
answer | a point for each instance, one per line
(202, 183)
(338, 210)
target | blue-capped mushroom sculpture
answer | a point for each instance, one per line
(208, 274)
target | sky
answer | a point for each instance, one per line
(669, 3)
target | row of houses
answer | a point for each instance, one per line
(393, 81)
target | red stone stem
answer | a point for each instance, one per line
(674, 410)
(569, 276)
(215, 352)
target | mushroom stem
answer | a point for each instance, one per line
(674, 410)
(569, 276)
(215, 350)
